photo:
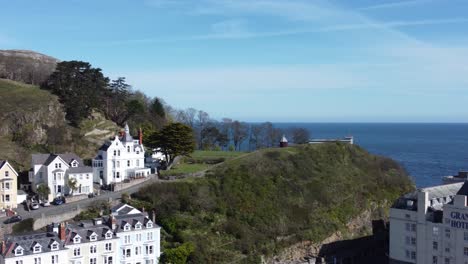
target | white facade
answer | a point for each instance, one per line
(139, 237)
(126, 237)
(55, 171)
(430, 226)
(120, 159)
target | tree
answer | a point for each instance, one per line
(43, 191)
(116, 99)
(174, 139)
(73, 185)
(300, 135)
(239, 133)
(157, 108)
(209, 136)
(79, 87)
(178, 255)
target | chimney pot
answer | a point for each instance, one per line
(62, 234)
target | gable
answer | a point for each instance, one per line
(6, 166)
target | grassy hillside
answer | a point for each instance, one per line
(32, 120)
(262, 202)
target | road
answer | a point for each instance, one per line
(57, 209)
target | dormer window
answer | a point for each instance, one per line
(138, 226)
(149, 225)
(93, 237)
(108, 235)
(74, 164)
(126, 227)
(37, 248)
(19, 251)
(77, 239)
(54, 246)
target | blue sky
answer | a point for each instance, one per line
(256, 60)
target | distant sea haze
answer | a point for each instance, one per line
(427, 151)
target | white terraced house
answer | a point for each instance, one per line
(55, 170)
(120, 159)
(139, 236)
(128, 236)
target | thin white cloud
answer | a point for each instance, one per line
(396, 4)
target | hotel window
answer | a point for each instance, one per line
(37, 249)
(408, 226)
(434, 259)
(149, 225)
(127, 239)
(128, 163)
(413, 241)
(138, 163)
(413, 254)
(107, 260)
(93, 249)
(465, 236)
(447, 233)
(108, 235)
(7, 198)
(37, 260)
(118, 164)
(7, 185)
(435, 231)
(77, 252)
(115, 152)
(435, 245)
(127, 227)
(447, 250)
(138, 237)
(447, 261)
(7, 173)
(19, 262)
(55, 259)
(92, 261)
(465, 251)
(127, 252)
(137, 250)
(77, 239)
(118, 153)
(108, 246)
(149, 236)
(407, 240)
(413, 227)
(149, 250)
(138, 226)
(18, 252)
(128, 149)
(54, 246)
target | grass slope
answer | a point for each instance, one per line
(259, 203)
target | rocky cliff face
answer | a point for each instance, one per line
(33, 120)
(26, 66)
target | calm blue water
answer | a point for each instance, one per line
(427, 151)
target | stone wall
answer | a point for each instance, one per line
(64, 215)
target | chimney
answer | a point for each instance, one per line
(140, 136)
(2, 247)
(62, 235)
(113, 222)
(153, 216)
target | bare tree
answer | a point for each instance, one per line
(240, 131)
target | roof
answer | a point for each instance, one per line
(105, 146)
(85, 229)
(127, 137)
(132, 219)
(283, 139)
(123, 209)
(440, 194)
(46, 159)
(2, 162)
(83, 169)
(27, 241)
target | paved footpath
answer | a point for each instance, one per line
(105, 195)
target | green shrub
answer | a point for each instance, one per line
(24, 226)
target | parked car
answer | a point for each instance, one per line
(13, 219)
(59, 201)
(34, 205)
(46, 204)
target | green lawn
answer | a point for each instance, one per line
(185, 168)
(200, 154)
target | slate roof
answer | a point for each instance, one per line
(83, 169)
(27, 241)
(127, 137)
(122, 209)
(446, 192)
(85, 229)
(105, 146)
(46, 159)
(132, 219)
(2, 162)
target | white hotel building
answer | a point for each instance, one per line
(430, 226)
(120, 159)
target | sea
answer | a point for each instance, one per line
(426, 151)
